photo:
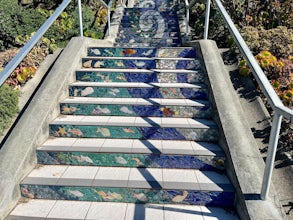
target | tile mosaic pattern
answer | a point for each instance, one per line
(163, 44)
(137, 92)
(131, 160)
(157, 22)
(129, 195)
(136, 63)
(132, 132)
(122, 52)
(194, 76)
(137, 110)
(146, 35)
(187, 52)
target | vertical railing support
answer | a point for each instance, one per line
(273, 143)
(187, 18)
(80, 18)
(109, 19)
(207, 18)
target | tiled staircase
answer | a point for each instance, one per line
(135, 138)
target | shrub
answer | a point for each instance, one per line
(279, 72)
(268, 14)
(27, 68)
(278, 40)
(16, 20)
(8, 106)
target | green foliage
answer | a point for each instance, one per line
(8, 106)
(16, 20)
(217, 28)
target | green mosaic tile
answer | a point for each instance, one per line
(130, 195)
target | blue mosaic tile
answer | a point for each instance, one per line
(146, 93)
(106, 92)
(154, 133)
(147, 77)
(152, 31)
(141, 77)
(145, 35)
(207, 163)
(137, 110)
(127, 39)
(130, 195)
(188, 64)
(128, 22)
(119, 63)
(121, 52)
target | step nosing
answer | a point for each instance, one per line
(125, 151)
(134, 121)
(129, 178)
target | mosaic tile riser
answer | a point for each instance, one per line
(137, 110)
(140, 63)
(153, 133)
(101, 194)
(162, 77)
(207, 163)
(145, 93)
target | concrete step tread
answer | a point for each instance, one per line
(133, 146)
(135, 101)
(139, 85)
(60, 209)
(128, 177)
(135, 121)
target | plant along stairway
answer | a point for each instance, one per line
(135, 139)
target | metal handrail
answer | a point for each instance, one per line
(11, 66)
(273, 99)
(108, 13)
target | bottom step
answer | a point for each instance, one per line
(53, 209)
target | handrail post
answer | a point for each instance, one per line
(207, 18)
(187, 17)
(80, 18)
(273, 143)
(109, 18)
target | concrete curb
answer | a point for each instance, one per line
(245, 165)
(17, 155)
